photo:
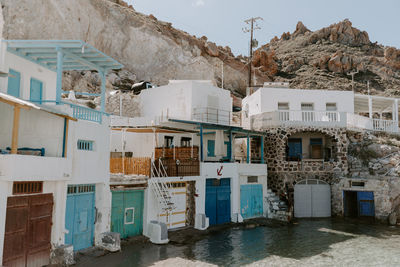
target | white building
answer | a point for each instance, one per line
(186, 129)
(275, 105)
(54, 164)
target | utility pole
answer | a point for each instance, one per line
(253, 26)
(352, 78)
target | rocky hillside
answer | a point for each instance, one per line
(154, 51)
(323, 60)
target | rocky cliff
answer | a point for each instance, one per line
(155, 51)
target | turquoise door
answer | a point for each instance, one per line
(36, 90)
(127, 212)
(80, 216)
(251, 201)
(14, 83)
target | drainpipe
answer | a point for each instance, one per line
(103, 90)
(231, 143)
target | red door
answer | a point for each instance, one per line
(28, 230)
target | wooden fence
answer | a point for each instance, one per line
(138, 166)
(180, 167)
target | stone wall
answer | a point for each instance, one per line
(283, 173)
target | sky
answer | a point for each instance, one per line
(222, 21)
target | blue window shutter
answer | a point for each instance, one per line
(36, 90)
(14, 83)
(211, 148)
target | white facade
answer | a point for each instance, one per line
(41, 129)
(271, 106)
(187, 100)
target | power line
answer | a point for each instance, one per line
(252, 22)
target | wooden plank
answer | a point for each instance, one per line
(14, 141)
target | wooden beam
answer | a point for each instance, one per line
(14, 141)
(14, 103)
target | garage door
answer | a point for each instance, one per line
(28, 230)
(312, 198)
(127, 212)
(251, 201)
(177, 217)
(80, 216)
(218, 200)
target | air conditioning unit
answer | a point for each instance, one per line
(201, 222)
(158, 232)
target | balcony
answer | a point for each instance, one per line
(15, 167)
(296, 118)
(178, 161)
(212, 115)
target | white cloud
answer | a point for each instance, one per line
(198, 3)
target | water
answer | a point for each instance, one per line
(311, 242)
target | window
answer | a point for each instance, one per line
(27, 188)
(14, 81)
(36, 91)
(283, 106)
(316, 148)
(331, 107)
(295, 149)
(252, 179)
(331, 111)
(85, 145)
(168, 141)
(283, 111)
(186, 141)
(82, 188)
(307, 111)
(211, 148)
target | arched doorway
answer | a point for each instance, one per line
(312, 198)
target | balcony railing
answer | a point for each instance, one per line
(212, 115)
(177, 168)
(323, 119)
(84, 113)
(130, 166)
(181, 153)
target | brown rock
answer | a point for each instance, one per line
(266, 61)
(212, 49)
(300, 29)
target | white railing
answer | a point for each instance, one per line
(212, 115)
(321, 118)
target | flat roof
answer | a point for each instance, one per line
(78, 55)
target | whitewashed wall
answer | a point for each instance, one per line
(270, 97)
(29, 70)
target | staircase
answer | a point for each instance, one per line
(160, 188)
(278, 209)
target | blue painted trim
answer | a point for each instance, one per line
(248, 149)
(262, 150)
(201, 144)
(60, 62)
(64, 137)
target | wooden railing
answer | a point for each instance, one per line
(135, 166)
(178, 168)
(181, 153)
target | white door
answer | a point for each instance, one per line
(312, 198)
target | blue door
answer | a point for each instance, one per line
(218, 200)
(251, 201)
(366, 205)
(14, 83)
(80, 216)
(36, 90)
(211, 148)
(295, 149)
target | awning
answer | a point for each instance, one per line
(379, 103)
(14, 101)
(78, 55)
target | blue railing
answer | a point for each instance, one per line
(79, 112)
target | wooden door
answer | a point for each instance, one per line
(28, 230)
